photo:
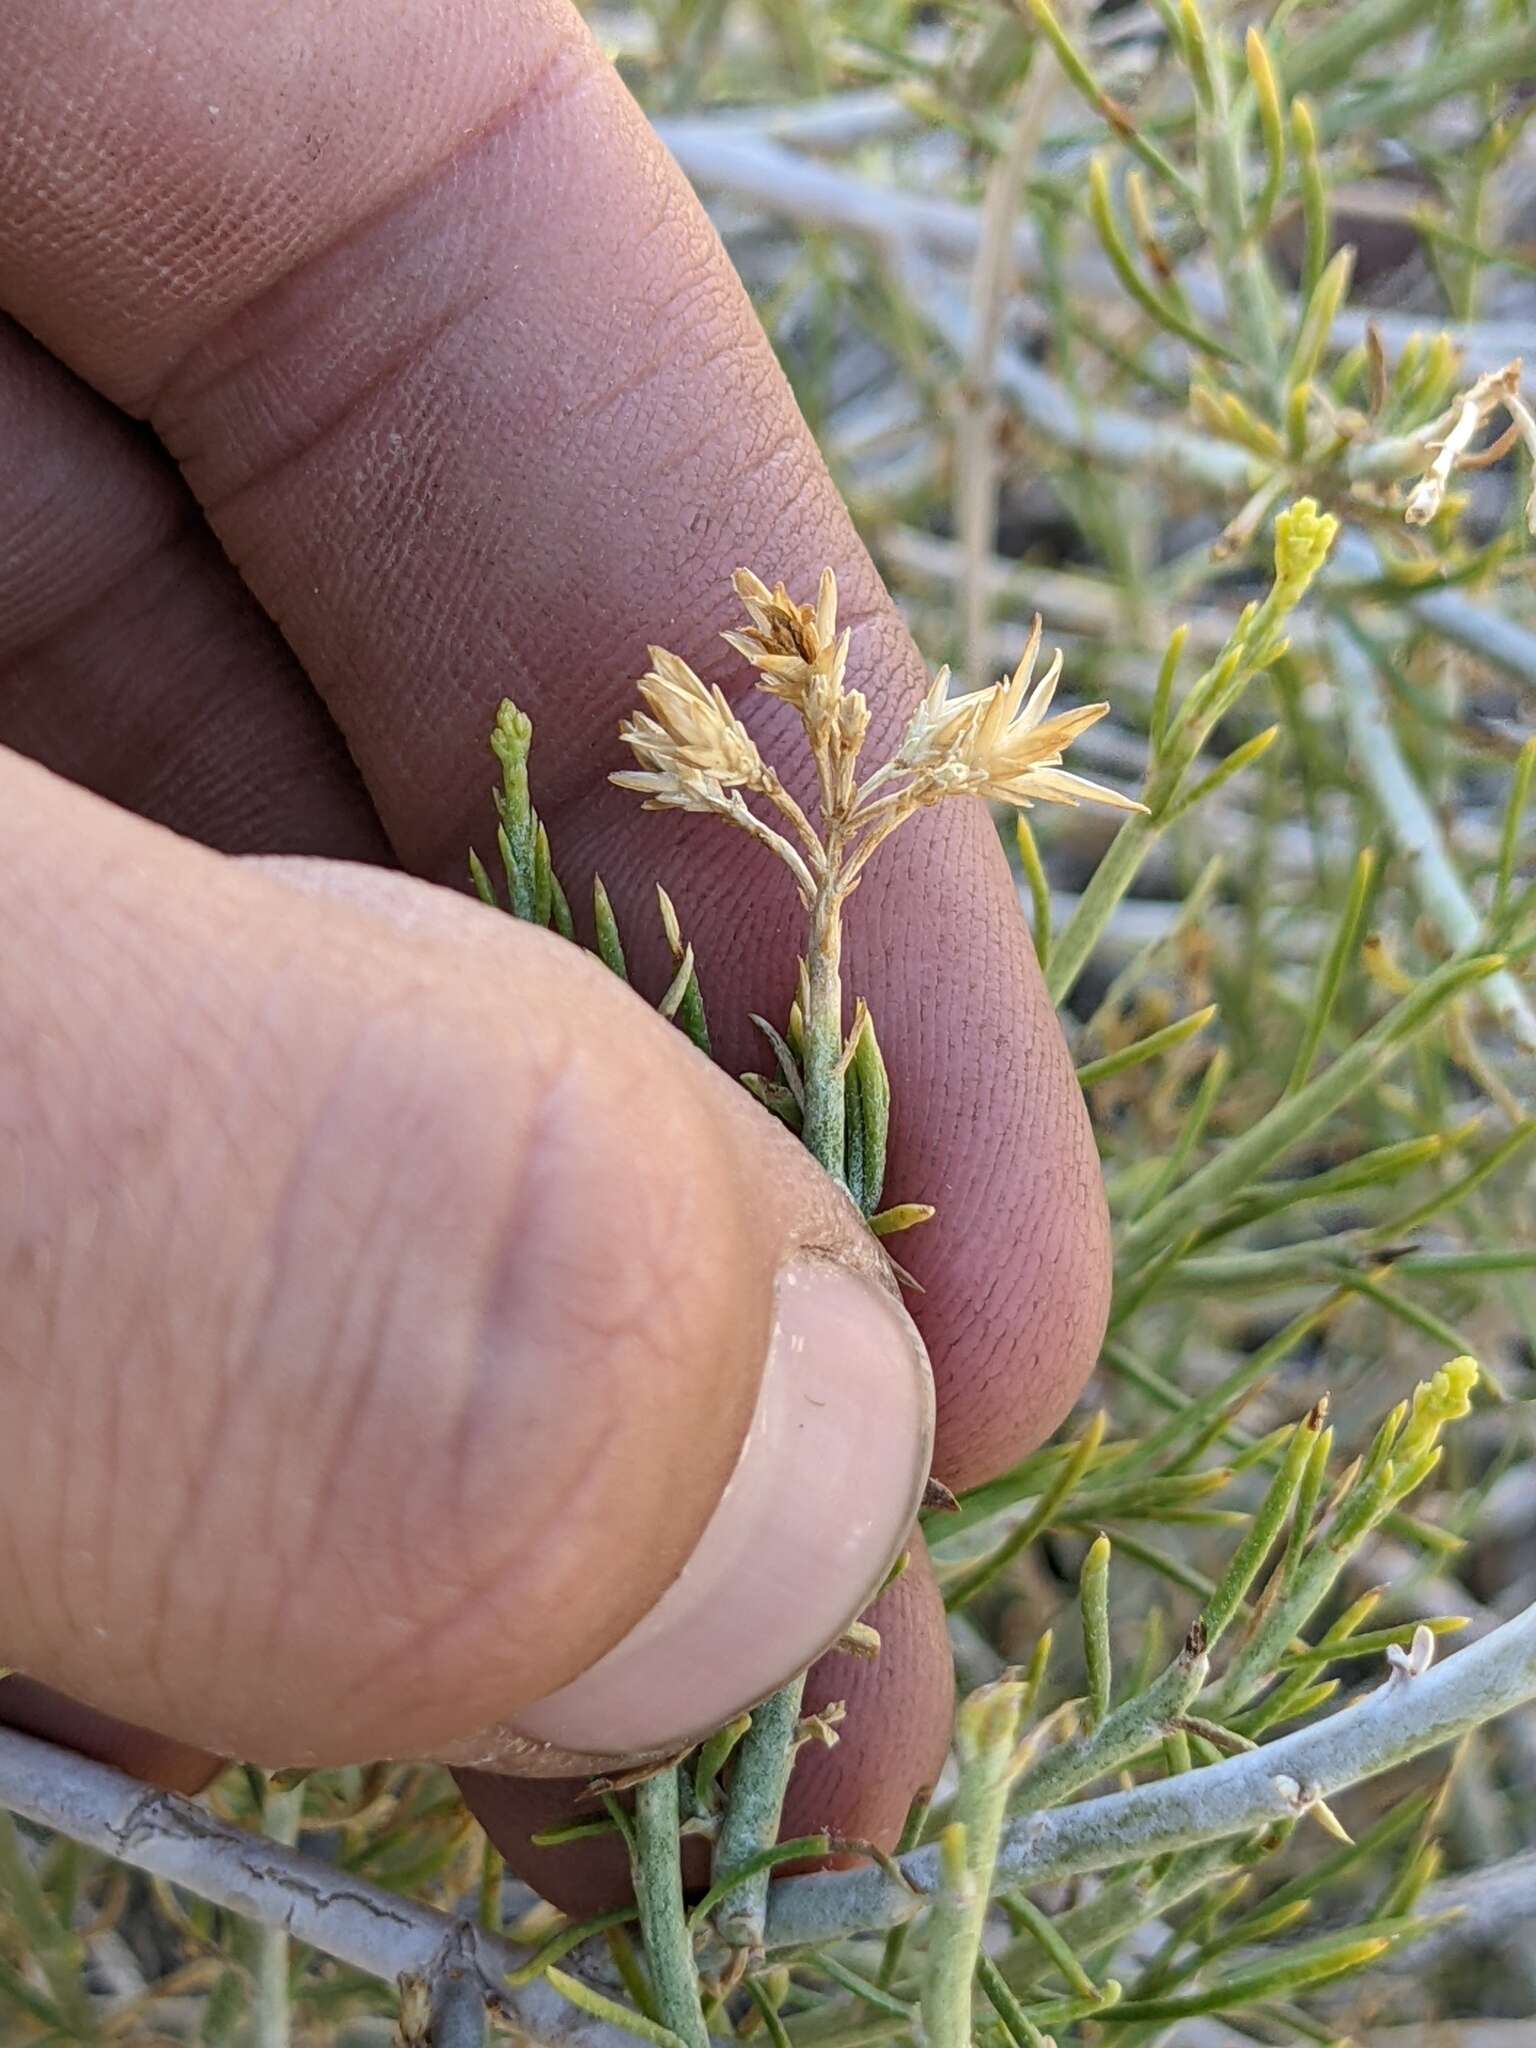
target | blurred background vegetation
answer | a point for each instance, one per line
(1076, 301)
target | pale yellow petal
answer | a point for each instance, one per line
(1061, 786)
(1039, 699)
(826, 608)
(1024, 668)
(1023, 748)
(745, 645)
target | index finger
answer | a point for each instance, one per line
(475, 403)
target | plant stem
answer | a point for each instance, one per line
(459, 2016)
(1268, 1137)
(1414, 827)
(751, 1820)
(659, 1893)
(1126, 441)
(271, 2007)
(951, 1949)
(823, 1133)
(385, 1934)
(1072, 946)
(760, 1779)
(1400, 1720)
(986, 1735)
(743, 160)
(1132, 1728)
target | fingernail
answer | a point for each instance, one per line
(823, 1496)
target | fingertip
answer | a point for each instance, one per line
(829, 1465)
(824, 1489)
(466, 1322)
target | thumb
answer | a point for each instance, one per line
(409, 1345)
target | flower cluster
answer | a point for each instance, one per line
(998, 742)
(1303, 538)
(692, 745)
(801, 658)
(796, 648)
(695, 754)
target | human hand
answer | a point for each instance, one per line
(387, 1293)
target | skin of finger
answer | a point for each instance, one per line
(891, 1745)
(308, 1233)
(132, 658)
(490, 419)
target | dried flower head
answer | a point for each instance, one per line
(1448, 440)
(695, 754)
(789, 643)
(802, 659)
(998, 742)
(690, 739)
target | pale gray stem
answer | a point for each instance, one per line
(1490, 1904)
(388, 1936)
(659, 1893)
(1401, 1719)
(976, 454)
(1414, 827)
(1134, 1726)
(1124, 440)
(380, 1932)
(751, 165)
(750, 1823)
(459, 2017)
(1468, 2034)
(840, 121)
(986, 1736)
